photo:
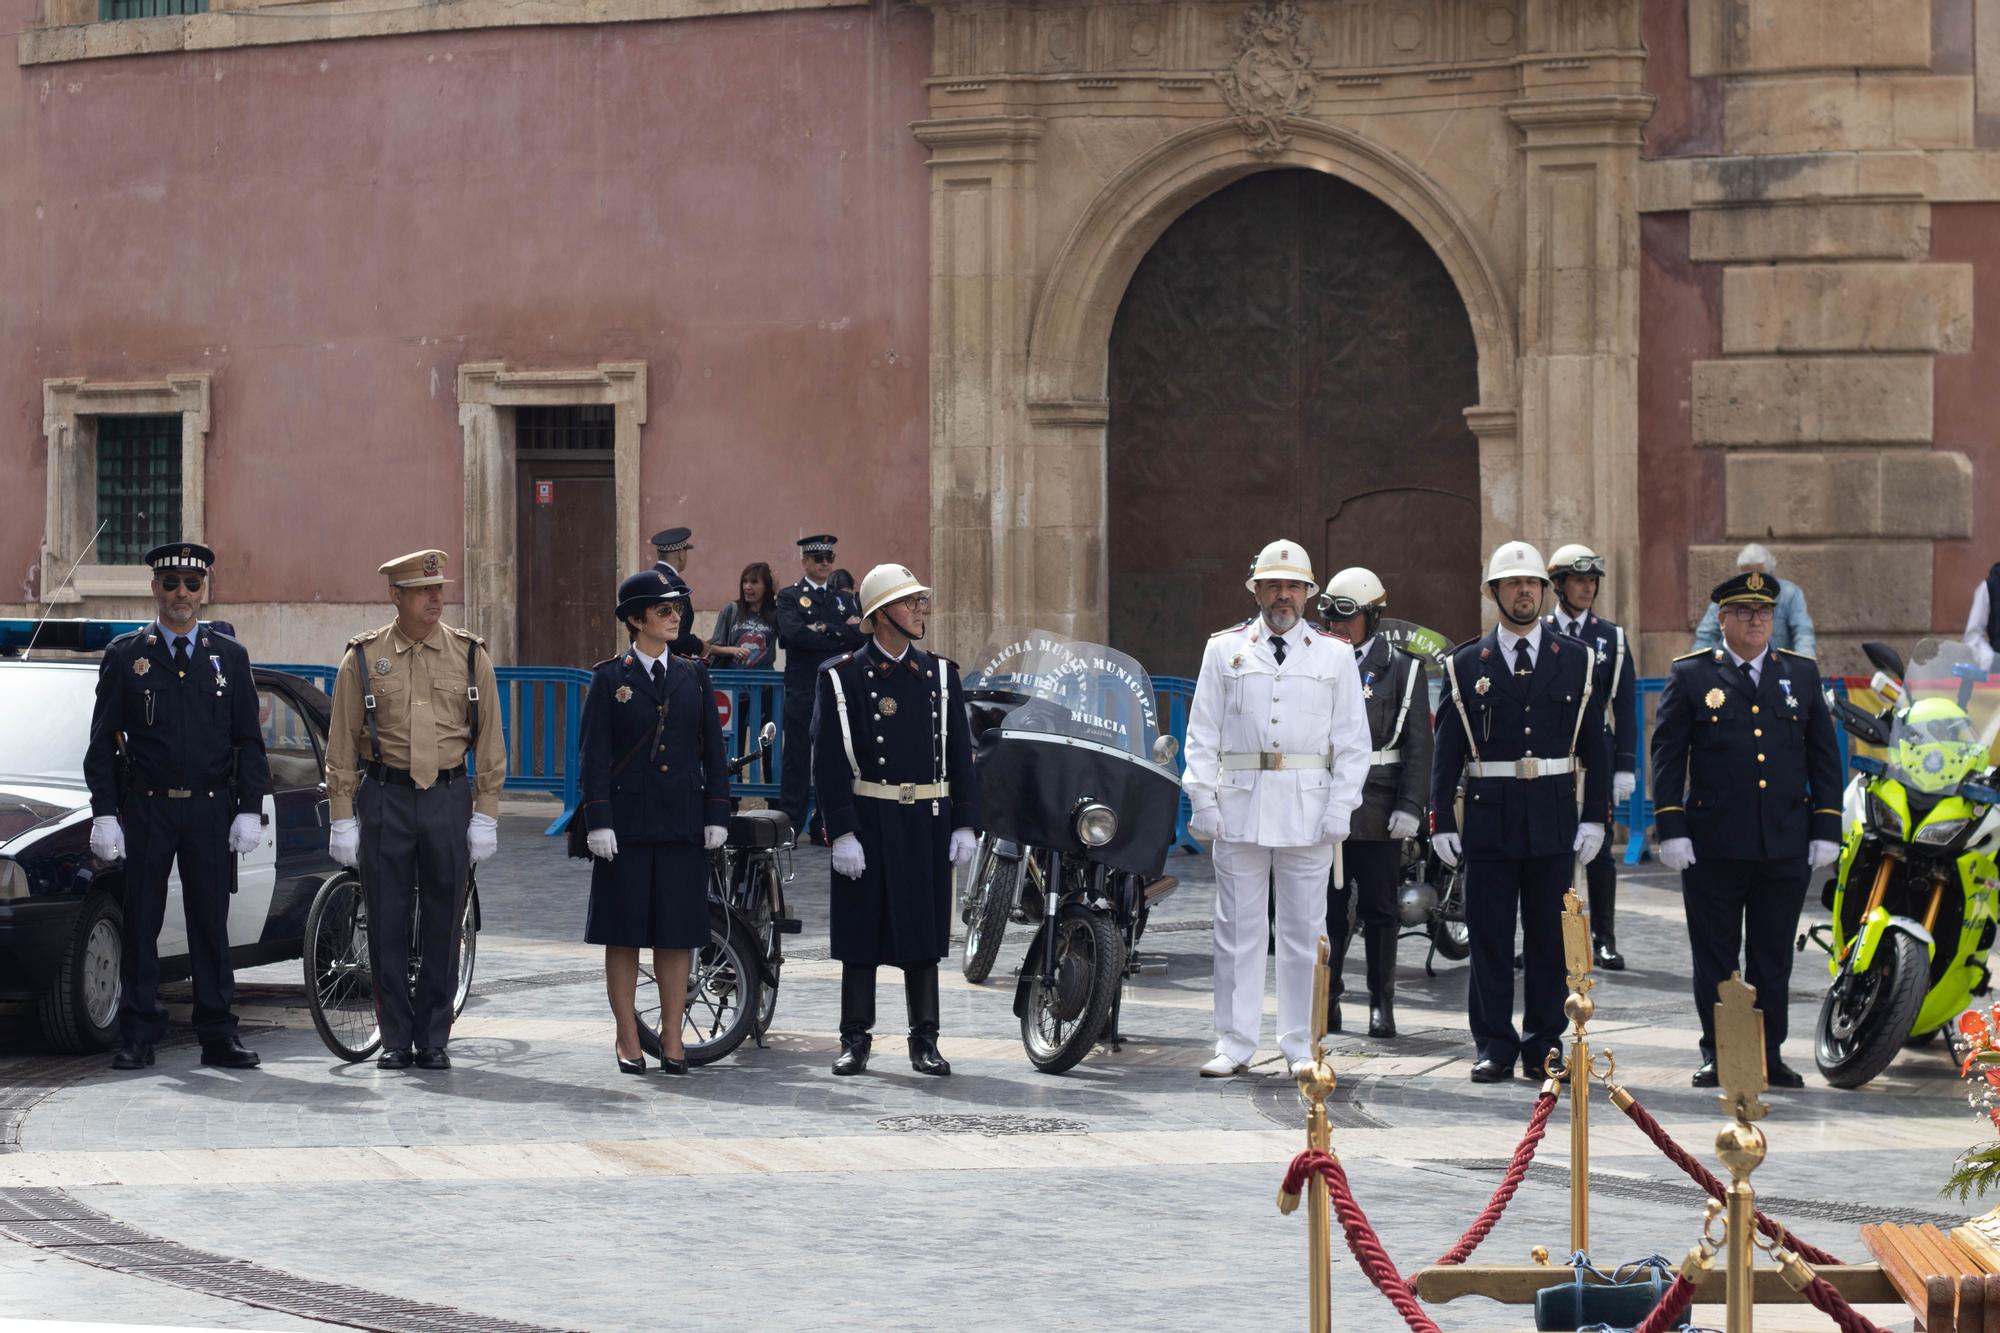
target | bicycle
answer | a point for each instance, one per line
(733, 980)
(340, 980)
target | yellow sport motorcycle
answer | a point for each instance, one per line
(1916, 901)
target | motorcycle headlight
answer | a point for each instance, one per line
(1939, 833)
(13, 881)
(1096, 823)
(1883, 818)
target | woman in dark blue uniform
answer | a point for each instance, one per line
(655, 798)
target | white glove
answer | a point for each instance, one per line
(1820, 853)
(1677, 853)
(343, 842)
(1333, 825)
(107, 838)
(602, 842)
(1589, 842)
(964, 842)
(1403, 824)
(848, 862)
(1446, 846)
(482, 837)
(714, 835)
(1622, 787)
(1206, 824)
(245, 832)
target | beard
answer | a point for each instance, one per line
(1281, 619)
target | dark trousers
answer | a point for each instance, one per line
(159, 832)
(413, 852)
(1602, 876)
(1498, 893)
(857, 999)
(795, 774)
(1369, 866)
(1753, 906)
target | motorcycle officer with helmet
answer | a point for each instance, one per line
(1577, 572)
(1392, 801)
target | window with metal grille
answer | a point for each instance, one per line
(147, 9)
(138, 486)
(570, 429)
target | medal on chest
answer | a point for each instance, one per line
(1791, 700)
(1368, 685)
(1713, 698)
(221, 681)
(886, 707)
(142, 666)
(1483, 685)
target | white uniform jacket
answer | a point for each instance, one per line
(1247, 704)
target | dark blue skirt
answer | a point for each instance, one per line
(652, 895)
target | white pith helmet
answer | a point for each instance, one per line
(1516, 560)
(885, 584)
(1283, 560)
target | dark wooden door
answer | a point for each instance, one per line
(1290, 360)
(568, 569)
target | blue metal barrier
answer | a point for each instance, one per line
(1176, 695)
(754, 698)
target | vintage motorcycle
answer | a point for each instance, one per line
(1079, 781)
(1916, 899)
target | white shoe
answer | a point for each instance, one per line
(1299, 1066)
(1223, 1067)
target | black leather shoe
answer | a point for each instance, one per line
(394, 1057)
(133, 1055)
(669, 1065)
(235, 1055)
(625, 1066)
(1606, 956)
(1333, 1013)
(924, 1057)
(433, 1057)
(853, 1057)
(1704, 1077)
(1492, 1071)
(1382, 1019)
(1782, 1075)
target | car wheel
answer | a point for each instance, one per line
(80, 1011)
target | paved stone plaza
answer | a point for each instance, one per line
(533, 1185)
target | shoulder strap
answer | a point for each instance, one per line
(1618, 663)
(1583, 703)
(1409, 692)
(367, 702)
(944, 713)
(840, 711)
(472, 690)
(1458, 698)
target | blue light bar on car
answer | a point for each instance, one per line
(71, 635)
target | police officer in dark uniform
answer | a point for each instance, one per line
(1392, 803)
(1519, 714)
(1746, 785)
(1578, 572)
(815, 622)
(674, 547)
(655, 802)
(177, 701)
(892, 754)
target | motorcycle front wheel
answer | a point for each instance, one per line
(1060, 1022)
(1447, 924)
(1867, 1016)
(988, 905)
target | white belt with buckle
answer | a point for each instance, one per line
(903, 793)
(1377, 758)
(1527, 769)
(1258, 759)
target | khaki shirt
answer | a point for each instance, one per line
(420, 696)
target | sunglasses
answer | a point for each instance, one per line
(175, 582)
(819, 557)
(661, 610)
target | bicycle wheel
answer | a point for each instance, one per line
(340, 985)
(468, 951)
(722, 989)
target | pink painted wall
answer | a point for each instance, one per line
(331, 228)
(1964, 409)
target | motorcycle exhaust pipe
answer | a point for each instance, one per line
(1151, 967)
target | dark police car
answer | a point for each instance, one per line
(61, 924)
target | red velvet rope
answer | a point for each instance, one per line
(1705, 1178)
(1361, 1238)
(1673, 1302)
(1827, 1299)
(1538, 1125)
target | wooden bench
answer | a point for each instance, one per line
(1950, 1282)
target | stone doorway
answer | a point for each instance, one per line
(1291, 358)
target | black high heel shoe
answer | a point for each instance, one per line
(669, 1065)
(637, 1066)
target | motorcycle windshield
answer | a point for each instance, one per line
(1071, 688)
(1943, 725)
(1428, 645)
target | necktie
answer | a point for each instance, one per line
(183, 656)
(423, 722)
(1749, 674)
(1278, 648)
(660, 678)
(1357, 654)
(1524, 665)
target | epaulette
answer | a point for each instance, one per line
(832, 662)
(615, 657)
(467, 635)
(1469, 643)
(368, 637)
(1699, 652)
(130, 635)
(1804, 656)
(1231, 629)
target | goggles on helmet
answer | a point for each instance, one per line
(1583, 564)
(1340, 608)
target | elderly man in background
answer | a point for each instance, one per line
(1791, 630)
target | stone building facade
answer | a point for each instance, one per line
(1085, 299)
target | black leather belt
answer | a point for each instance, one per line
(178, 793)
(400, 777)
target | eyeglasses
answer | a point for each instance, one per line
(1754, 613)
(917, 603)
(175, 582)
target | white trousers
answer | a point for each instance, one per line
(1244, 876)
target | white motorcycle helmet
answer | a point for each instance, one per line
(1352, 591)
(1575, 558)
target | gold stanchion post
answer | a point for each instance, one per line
(1576, 1071)
(1739, 1063)
(1316, 1084)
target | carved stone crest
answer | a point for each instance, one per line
(1271, 77)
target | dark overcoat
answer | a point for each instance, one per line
(200, 730)
(654, 767)
(1398, 703)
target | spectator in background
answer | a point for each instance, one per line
(840, 581)
(1793, 629)
(1979, 627)
(746, 633)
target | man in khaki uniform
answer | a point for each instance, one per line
(410, 700)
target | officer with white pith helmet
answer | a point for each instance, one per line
(1577, 572)
(1519, 714)
(1277, 751)
(892, 758)
(1392, 803)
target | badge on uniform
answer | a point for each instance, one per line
(381, 666)
(1713, 698)
(221, 681)
(1237, 660)
(805, 603)
(1368, 686)
(1483, 686)
(142, 666)
(1791, 700)
(623, 694)
(886, 707)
